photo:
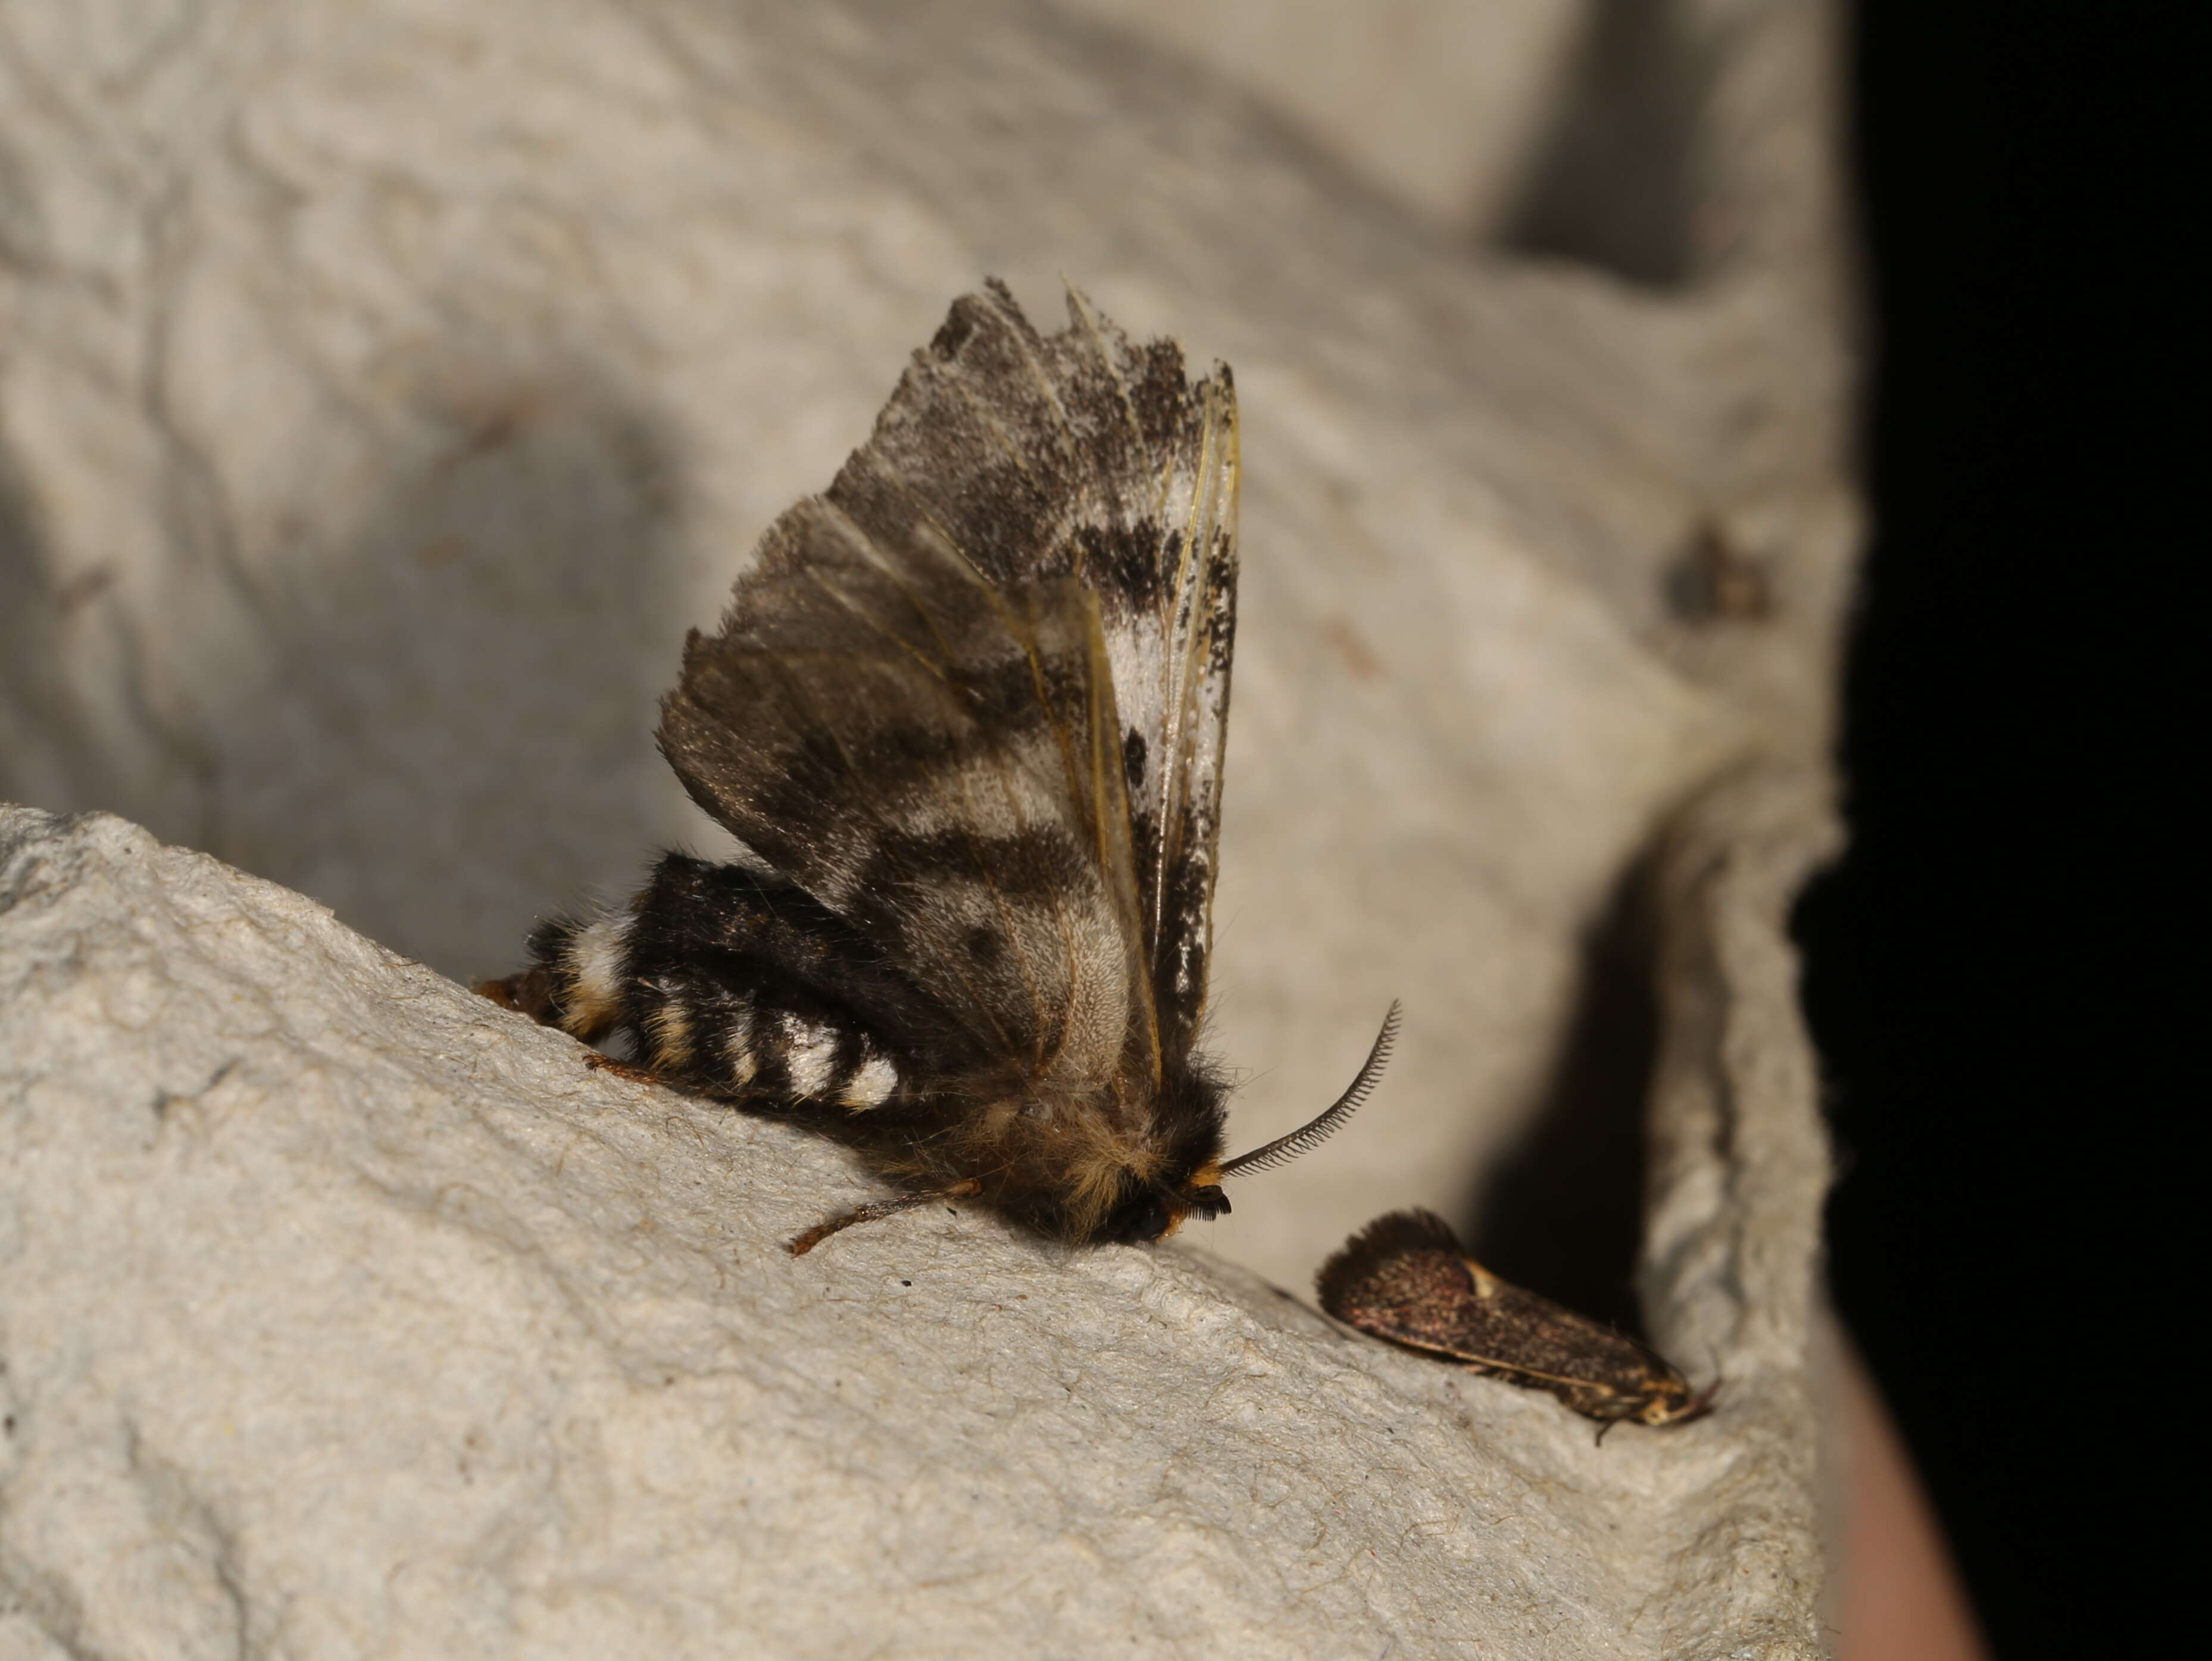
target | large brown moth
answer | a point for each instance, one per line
(1406, 1278)
(965, 710)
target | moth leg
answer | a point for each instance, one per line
(800, 1244)
(1616, 1413)
(598, 1063)
(605, 1063)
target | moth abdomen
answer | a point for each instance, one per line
(745, 987)
(577, 980)
(729, 1040)
(730, 985)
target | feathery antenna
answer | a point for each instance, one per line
(1283, 1149)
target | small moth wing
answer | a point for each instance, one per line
(1028, 459)
(1405, 1278)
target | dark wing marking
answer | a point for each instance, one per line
(929, 754)
(1078, 454)
(1173, 674)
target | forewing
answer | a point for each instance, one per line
(928, 753)
(1080, 455)
(1405, 1277)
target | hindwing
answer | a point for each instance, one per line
(973, 698)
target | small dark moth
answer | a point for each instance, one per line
(1405, 1278)
(965, 710)
(1713, 581)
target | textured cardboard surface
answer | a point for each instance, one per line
(387, 387)
(345, 1314)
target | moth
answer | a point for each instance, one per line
(965, 712)
(1406, 1278)
(1714, 581)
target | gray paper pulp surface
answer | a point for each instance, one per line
(347, 1315)
(386, 388)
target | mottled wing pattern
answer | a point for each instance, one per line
(931, 757)
(1406, 1278)
(1081, 454)
(974, 697)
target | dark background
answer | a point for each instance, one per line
(1951, 975)
(1977, 999)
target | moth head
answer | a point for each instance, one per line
(1188, 1178)
(1672, 1403)
(1209, 1202)
(1148, 1208)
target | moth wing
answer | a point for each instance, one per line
(932, 755)
(1427, 1300)
(1079, 455)
(1406, 1278)
(1176, 665)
